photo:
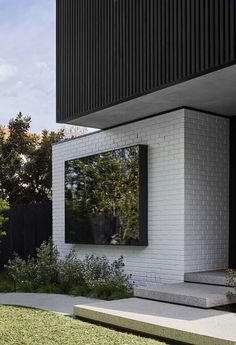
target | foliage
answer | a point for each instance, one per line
(23, 273)
(71, 132)
(6, 283)
(3, 208)
(46, 264)
(25, 162)
(93, 276)
(33, 273)
(37, 327)
(106, 184)
(49, 288)
(231, 278)
(70, 272)
(38, 169)
(104, 278)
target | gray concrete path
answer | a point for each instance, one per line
(51, 302)
(185, 324)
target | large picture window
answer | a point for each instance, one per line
(106, 198)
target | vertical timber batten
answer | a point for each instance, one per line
(109, 51)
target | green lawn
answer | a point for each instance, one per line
(25, 326)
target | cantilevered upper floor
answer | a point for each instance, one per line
(120, 60)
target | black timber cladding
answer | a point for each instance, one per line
(232, 198)
(109, 51)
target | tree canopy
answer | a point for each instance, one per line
(26, 162)
(3, 208)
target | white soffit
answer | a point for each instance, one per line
(212, 92)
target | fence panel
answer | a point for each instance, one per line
(28, 226)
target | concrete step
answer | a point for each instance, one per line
(210, 277)
(196, 295)
(175, 322)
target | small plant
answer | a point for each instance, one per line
(105, 279)
(70, 272)
(22, 272)
(33, 273)
(46, 264)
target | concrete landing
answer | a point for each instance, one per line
(175, 322)
(196, 295)
(210, 277)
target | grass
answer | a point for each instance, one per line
(26, 326)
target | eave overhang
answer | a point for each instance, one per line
(213, 92)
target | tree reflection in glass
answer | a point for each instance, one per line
(102, 198)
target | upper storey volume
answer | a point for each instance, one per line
(115, 51)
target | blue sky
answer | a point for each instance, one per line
(27, 61)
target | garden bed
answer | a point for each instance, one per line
(91, 276)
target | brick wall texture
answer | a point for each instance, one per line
(188, 174)
(206, 161)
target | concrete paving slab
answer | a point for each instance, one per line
(180, 323)
(210, 277)
(196, 295)
(51, 302)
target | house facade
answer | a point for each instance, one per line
(159, 73)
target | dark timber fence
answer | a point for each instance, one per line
(28, 226)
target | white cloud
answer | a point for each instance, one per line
(12, 90)
(7, 71)
(27, 39)
(19, 84)
(42, 66)
(27, 62)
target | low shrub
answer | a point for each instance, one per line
(94, 276)
(70, 272)
(46, 264)
(50, 288)
(103, 278)
(6, 283)
(79, 290)
(23, 273)
(33, 273)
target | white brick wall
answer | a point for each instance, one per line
(163, 259)
(187, 193)
(206, 191)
